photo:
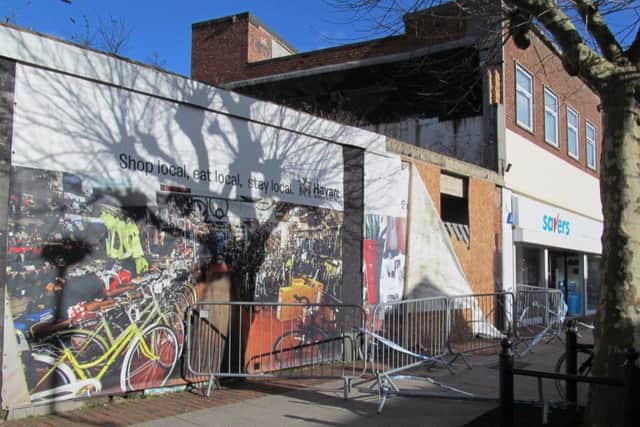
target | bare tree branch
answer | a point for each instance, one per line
(633, 53)
(579, 58)
(84, 36)
(114, 34)
(598, 28)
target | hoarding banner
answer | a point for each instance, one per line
(385, 228)
(126, 209)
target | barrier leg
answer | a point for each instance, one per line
(212, 380)
(455, 357)
(346, 386)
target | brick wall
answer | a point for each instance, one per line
(436, 24)
(430, 175)
(222, 49)
(480, 258)
(228, 50)
(259, 46)
(480, 261)
(546, 67)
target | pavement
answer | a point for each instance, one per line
(319, 402)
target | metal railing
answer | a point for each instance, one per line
(540, 315)
(254, 339)
(405, 335)
(479, 321)
(420, 326)
(630, 382)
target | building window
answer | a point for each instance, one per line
(529, 266)
(573, 139)
(550, 117)
(591, 146)
(454, 206)
(524, 99)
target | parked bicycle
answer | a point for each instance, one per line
(314, 338)
(585, 362)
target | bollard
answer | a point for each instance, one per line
(506, 384)
(632, 389)
(572, 362)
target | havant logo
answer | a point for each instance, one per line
(554, 224)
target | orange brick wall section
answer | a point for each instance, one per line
(480, 259)
(430, 175)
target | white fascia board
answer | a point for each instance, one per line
(43, 51)
(555, 241)
(544, 176)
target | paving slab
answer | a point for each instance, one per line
(317, 402)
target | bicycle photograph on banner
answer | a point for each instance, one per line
(299, 330)
(99, 283)
(97, 290)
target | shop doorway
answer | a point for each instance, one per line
(566, 272)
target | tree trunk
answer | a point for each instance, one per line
(618, 318)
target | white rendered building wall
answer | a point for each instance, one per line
(538, 174)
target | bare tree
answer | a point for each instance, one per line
(84, 36)
(599, 41)
(110, 34)
(114, 33)
(156, 60)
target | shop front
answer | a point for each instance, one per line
(557, 249)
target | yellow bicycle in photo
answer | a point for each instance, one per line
(150, 355)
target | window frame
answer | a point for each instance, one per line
(588, 125)
(528, 95)
(556, 115)
(576, 156)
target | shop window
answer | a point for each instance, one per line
(572, 134)
(550, 118)
(454, 206)
(524, 98)
(591, 145)
(529, 266)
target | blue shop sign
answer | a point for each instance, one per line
(553, 224)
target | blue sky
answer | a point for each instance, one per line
(163, 27)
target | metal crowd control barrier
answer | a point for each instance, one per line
(254, 339)
(405, 335)
(478, 322)
(540, 315)
(420, 326)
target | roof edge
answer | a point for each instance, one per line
(401, 56)
(251, 18)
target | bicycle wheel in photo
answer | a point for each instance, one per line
(43, 375)
(585, 358)
(85, 345)
(174, 320)
(291, 350)
(180, 302)
(140, 371)
(191, 293)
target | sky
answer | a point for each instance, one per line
(160, 30)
